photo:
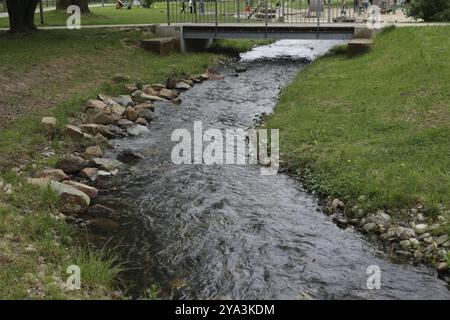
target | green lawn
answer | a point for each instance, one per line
(377, 125)
(54, 73)
(105, 15)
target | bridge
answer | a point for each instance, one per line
(198, 22)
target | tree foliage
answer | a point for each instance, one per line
(429, 10)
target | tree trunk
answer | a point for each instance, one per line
(21, 15)
(83, 4)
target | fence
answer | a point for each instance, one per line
(266, 11)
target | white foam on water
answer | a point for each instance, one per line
(292, 49)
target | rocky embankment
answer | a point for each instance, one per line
(408, 234)
(73, 179)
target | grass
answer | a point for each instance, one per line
(377, 125)
(57, 71)
(105, 15)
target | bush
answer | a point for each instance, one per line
(429, 10)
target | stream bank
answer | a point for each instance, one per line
(209, 232)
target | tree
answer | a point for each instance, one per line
(429, 10)
(21, 15)
(83, 4)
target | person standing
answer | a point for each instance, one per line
(191, 6)
(183, 6)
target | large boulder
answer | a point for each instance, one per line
(92, 152)
(146, 114)
(74, 132)
(71, 164)
(129, 156)
(71, 200)
(131, 114)
(52, 174)
(167, 94)
(137, 129)
(91, 192)
(106, 163)
(96, 104)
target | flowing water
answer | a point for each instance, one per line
(225, 231)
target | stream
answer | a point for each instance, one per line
(227, 232)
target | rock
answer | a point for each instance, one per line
(49, 124)
(167, 94)
(104, 224)
(177, 100)
(405, 233)
(421, 228)
(92, 152)
(119, 77)
(370, 227)
(144, 106)
(383, 216)
(141, 121)
(106, 164)
(390, 234)
(182, 86)
(405, 244)
(189, 81)
(118, 109)
(152, 98)
(428, 240)
(96, 129)
(116, 131)
(215, 75)
(441, 219)
(72, 200)
(204, 76)
(73, 132)
(337, 204)
(157, 86)
(441, 239)
(130, 88)
(125, 123)
(71, 164)
(414, 242)
(240, 68)
(106, 173)
(91, 192)
(442, 266)
(131, 114)
(146, 114)
(418, 255)
(124, 100)
(137, 129)
(89, 173)
(432, 247)
(420, 217)
(40, 182)
(101, 118)
(97, 105)
(52, 174)
(149, 90)
(340, 222)
(129, 156)
(327, 210)
(100, 211)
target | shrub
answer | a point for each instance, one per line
(429, 10)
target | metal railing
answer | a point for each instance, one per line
(266, 11)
